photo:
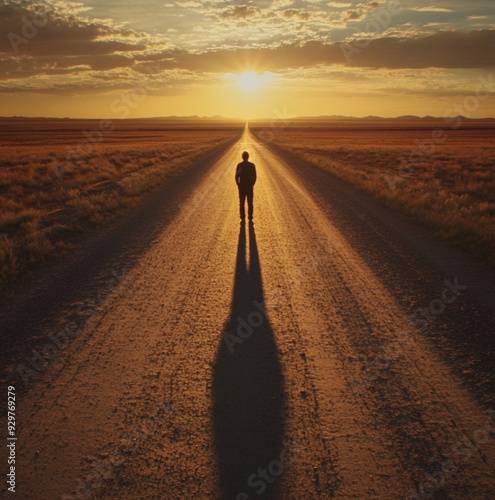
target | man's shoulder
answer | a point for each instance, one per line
(246, 164)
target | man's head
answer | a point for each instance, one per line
(245, 156)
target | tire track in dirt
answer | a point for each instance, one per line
(363, 316)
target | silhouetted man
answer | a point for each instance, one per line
(245, 178)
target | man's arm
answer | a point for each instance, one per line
(237, 175)
(254, 174)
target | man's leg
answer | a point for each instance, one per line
(242, 197)
(250, 203)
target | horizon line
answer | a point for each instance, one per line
(244, 120)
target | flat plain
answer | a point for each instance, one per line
(440, 173)
(64, 178)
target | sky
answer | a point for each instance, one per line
(247, 59)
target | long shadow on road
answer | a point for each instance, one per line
(248, 388)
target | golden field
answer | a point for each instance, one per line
(63, 178)
(440, 173)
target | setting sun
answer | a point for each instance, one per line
(250, 82)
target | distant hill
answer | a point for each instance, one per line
(403, 118)
(154, 118)
(195, 118)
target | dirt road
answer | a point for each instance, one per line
(330, 350)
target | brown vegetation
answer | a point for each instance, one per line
(58, 179)
(442, 177)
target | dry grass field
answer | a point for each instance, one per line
(59, 179)
(443, 177)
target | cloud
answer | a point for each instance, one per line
(353, 15)
(239, 12)
(63, 38)
(445, 49)
(72, 51)
(300, 14)
(339, 5)
(360, 11)
(430, 9)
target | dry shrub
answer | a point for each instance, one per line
(451, 190)
(47, 195)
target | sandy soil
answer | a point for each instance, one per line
(330, 350)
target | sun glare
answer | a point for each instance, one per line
(250, 82)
